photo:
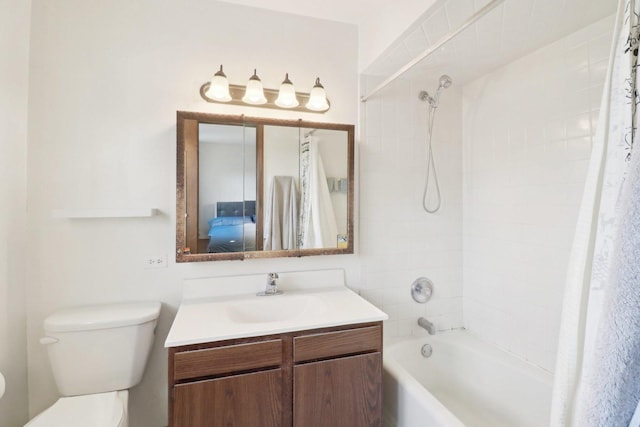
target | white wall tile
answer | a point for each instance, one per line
(401, 242)
(436, 26)
(520, 210)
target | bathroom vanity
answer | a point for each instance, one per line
(309, 357)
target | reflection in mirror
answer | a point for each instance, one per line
(305, 178)
(323, 189)
(226, 224)
(281, 183)
(252, 188)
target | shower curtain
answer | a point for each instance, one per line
(595, 367)
(318, 227)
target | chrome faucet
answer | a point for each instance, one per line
(428, 326)
(272, 286)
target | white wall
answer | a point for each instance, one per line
(380, 22)
(106, 80)
(528, 129)
(14, 60)
(399, 242)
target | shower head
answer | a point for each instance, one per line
(445, 81)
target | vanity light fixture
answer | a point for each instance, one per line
(254, 94)
(219, 87)
(287, 94)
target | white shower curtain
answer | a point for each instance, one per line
(318, 227)
(594, 251)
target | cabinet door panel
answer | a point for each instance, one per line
(343, 392)
(247, 400)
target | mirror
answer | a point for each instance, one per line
(256, 188)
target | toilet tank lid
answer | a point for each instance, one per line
(102, 316)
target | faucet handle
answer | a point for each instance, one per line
(273, 276)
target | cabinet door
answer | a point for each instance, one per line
(247, 400)
(343, 392)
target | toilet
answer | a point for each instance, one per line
(1, 385)
(97, 353)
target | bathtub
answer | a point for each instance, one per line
(465, 383)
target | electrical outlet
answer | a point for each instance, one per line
(155, 262)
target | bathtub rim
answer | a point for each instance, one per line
(461, 338)
(442, 414)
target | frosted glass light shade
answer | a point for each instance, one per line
(318, 98)
(287, 94)
(219, 87)
(254, 94)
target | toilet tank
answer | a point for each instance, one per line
(100, 348)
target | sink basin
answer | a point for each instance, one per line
(225, 308)
(276, 308)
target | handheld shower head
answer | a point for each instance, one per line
(445, 81)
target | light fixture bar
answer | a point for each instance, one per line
(237, 92)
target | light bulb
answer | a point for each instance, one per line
(219, 87)
(318, 98)
(287, 94)
(254, 94)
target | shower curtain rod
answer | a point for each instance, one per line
(472, 19)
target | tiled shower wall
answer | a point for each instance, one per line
(528, 130)
(399, 242)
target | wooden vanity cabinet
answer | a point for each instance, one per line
(337, 378)
(325, 377)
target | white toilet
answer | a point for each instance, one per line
(97, 353)
(1, 385)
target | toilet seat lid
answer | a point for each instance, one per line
(96, 410)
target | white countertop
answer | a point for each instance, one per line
(207, 318)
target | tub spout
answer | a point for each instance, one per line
(428, 326)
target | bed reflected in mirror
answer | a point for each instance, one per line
(254, 188)
(225, 222)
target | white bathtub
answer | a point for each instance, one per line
(465, 383)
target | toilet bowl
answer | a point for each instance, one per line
(97, 353)
(95, 410)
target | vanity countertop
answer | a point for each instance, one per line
(205, 318)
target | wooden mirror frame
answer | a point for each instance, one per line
(187, 177)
